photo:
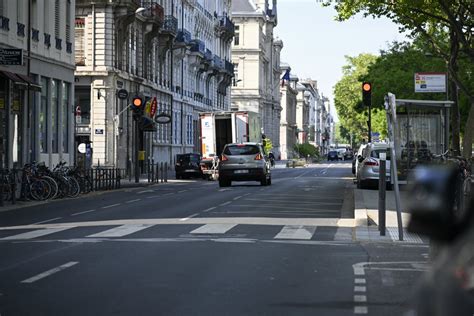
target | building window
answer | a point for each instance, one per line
(55, 93)
(65, 116)
(57, 16)
(43, 116)
(80, 54)
(237, 36)
(68, 21)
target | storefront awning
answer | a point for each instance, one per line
(21, 80)
(33, 86)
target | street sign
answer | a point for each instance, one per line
(99, 131)
(11, 56)
(163, 118)
(122, 94)
(82, 148)
(430, 82)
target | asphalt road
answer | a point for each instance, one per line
(192, 248)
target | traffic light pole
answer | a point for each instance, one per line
(369, 124)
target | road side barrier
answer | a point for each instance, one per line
(166, 172)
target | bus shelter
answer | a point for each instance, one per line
(420, 130)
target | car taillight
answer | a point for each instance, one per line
(224, 158)
(258, 157)
(371, 163)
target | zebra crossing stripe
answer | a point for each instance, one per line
(36, 233)
(296, 232)
(343, 234)
(121, 231)
(213, 229)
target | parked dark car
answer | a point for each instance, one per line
(348, 155)
(332, 155)
(187, 165)
(448, 287)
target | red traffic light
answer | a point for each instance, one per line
(367, 86)
(137, 102)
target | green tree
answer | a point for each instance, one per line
(305, 150)
(446, 26)
(348, 96)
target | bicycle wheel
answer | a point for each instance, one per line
(54, 187)
(39, 189)
(74, 188)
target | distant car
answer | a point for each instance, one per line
(367, 172)
(244, 162)
(188, 165)
(333, 155)
(348, 155)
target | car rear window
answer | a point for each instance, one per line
(376, 153)
(236, 150)
(187, 158)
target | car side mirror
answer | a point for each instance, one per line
(360, 158)
(431, 202)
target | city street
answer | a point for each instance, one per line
(191, 248)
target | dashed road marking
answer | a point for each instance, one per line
(359, 281)
(121, 231)
(360, 298)
(191, 216)
(109, 206)
(360, 310)
(131, 201)
(237, 197)
(46, 221)
(84, 212)
(360, 288)
(36, 233)
(209, 209)
(213, 229)
(182, 191)
(224, 204)
(145, 191)
(50, 272)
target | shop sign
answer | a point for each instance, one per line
(11, 56)
(99, 131)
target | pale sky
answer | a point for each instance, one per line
(315, 44)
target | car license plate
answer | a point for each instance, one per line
(189, 170)
(241, 171)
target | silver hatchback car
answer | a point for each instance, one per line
(244, 162)
(367, 172)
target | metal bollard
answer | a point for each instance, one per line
(1, 193)
(161, 170)
(13, 192)
(166, 172)
(382, 192)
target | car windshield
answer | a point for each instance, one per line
(236, 150)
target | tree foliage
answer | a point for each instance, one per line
(306, 150)
(446, 27)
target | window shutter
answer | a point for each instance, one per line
(56, 18)
(80, 41)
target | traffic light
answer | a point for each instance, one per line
(367, 93)
(138, 103)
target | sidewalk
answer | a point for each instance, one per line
(367, 219)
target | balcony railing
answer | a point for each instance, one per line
(4, 23)
(198, 46)
(20, 29)
(59, 43)
(35, 35)
(47, 40)
(183, 36)
(227, 25)
(229, 67)
(69, 47)
(171, 24)
(217, 62)
(208, 55)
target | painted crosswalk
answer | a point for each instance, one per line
(212, 230)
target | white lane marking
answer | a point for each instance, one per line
(152, 197)
(304, 173)
(223, 190)
(131, 201)
(224, 204)
(360, 288)
(46, 221)
(246, 194)
(182, 191)
(360, 298)
(168, 194)
(359, 271)
(145, 191)
(213, 229)
(36, 233)
(109, 206)
(209, 209)
(359, 281)
(237, 197)
(84, 212)
(360, 310)
(186, 218)
(50, 272)
(296, 232)
(121, 231)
